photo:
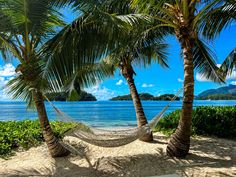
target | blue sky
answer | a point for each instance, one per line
(153, 79)
(157, 81)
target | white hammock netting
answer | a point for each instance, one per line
(108, 138)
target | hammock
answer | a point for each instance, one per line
(108, 138)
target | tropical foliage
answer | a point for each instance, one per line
(181, 19)
(27, 133)
(124, 33)
(141, 48)
(90, 37)
(225, 13)
(25, 26)
(103, 35)
(214, 121)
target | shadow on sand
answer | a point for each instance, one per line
(208, 157)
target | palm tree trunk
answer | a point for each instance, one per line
(54, 146)
(179, 143)
(128, 72)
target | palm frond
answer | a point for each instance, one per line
(90, 74)
(8, 48)
(33, 17)
(229, 64)
(88, 39)
(204, 62)
(152, 53)
(6, 24)
(18, 88)
(220, 17)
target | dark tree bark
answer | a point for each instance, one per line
(54, 146)
(179, 143)
(128, 72)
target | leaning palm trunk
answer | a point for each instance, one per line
(128, 72)
(179, 143)
(54, 146)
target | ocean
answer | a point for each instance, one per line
(99, 113)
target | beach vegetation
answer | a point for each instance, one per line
(16, 135)
(26, 25)
(207, 120)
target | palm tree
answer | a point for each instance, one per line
(182, 19)
(106, 35)
(25, 25)
(139, 48)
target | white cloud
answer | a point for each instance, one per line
(233, 82)
(180, 80)
(7, 70)
(232, 76)
(120, 82)
(101, 93)
(202, 78)
(3, 82)
(144, 85)
(3, 96)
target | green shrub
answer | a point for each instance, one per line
(218, 121)
(169, 123)
(27, 133)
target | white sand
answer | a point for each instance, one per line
(208, 157)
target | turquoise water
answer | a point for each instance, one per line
(100, 113)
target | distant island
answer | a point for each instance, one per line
(145, 96)
(62, 96)
(222, 93)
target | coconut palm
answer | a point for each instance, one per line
(182, 19)
(25, 25)
(106, 35)
(139, 48)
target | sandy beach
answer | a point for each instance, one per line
(208, 157)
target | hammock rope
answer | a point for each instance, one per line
(108, 138)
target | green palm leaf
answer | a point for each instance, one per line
(204, 62)
(35, 17)
(17, 88)
(229, 63)
(224, 12)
